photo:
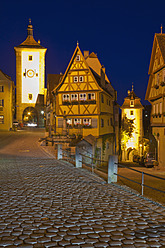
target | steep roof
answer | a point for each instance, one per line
(159, 39)
(30, 41)
(94, 63)
(131, 96)
(4, 76)
(52, 82)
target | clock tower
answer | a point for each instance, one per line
(30, 78)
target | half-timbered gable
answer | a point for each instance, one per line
(156, 91)
(85, 98)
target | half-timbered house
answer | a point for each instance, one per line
(85, 102)
(155, 94)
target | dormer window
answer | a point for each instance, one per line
(132, 103)
(77, 57)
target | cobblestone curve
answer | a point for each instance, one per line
(49, 203)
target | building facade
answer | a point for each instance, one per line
(7, 102)
(155, 94)
(84, 102)
(30, 78)
(132, 109)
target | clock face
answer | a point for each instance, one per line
(30, 73)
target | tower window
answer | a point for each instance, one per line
(131, 112)
(30, 96)
(132, 103)
(1, 88)
(30, 57)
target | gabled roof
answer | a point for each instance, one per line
(94, 67)
(68, 68)
(159, 40)
(4, 76)
(94, 63)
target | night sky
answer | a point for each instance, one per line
(120, 32)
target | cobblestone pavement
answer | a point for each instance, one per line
(50, 203)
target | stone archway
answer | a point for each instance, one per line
(30, 116)
(130, 153)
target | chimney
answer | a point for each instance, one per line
(86, 54)
(102, 72)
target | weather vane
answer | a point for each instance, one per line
(161, 28)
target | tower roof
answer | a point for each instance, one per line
(30, 41)
(131, 96)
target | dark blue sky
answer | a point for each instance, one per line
(120, 32)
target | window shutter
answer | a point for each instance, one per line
(60, 122)
(94, 122)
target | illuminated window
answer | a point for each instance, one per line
(30, 96)
(65, 97)
(1, 88)
(81, 79)
(102, 98)
(1, 102)
(132, 103)
(69, 122)
(102, 122)
(131, 112)
(91, 96)
(87, 122)
(74, 97)
(1, 119)
(77, 57)
(30, 57)
(75, 79)
(77, 121)
(82, 96)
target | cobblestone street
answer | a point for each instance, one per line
(50, 203)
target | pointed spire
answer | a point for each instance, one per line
(77, 43)
(161, 28)
(30, 28)
(132, 86)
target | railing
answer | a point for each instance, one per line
(142, 179)
(78, 159)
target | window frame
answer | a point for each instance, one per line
(1, 88)
(78, 57)
(1, 119)
(75, 79)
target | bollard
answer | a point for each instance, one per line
(112, 168)
(59, 151)
(78, 158)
